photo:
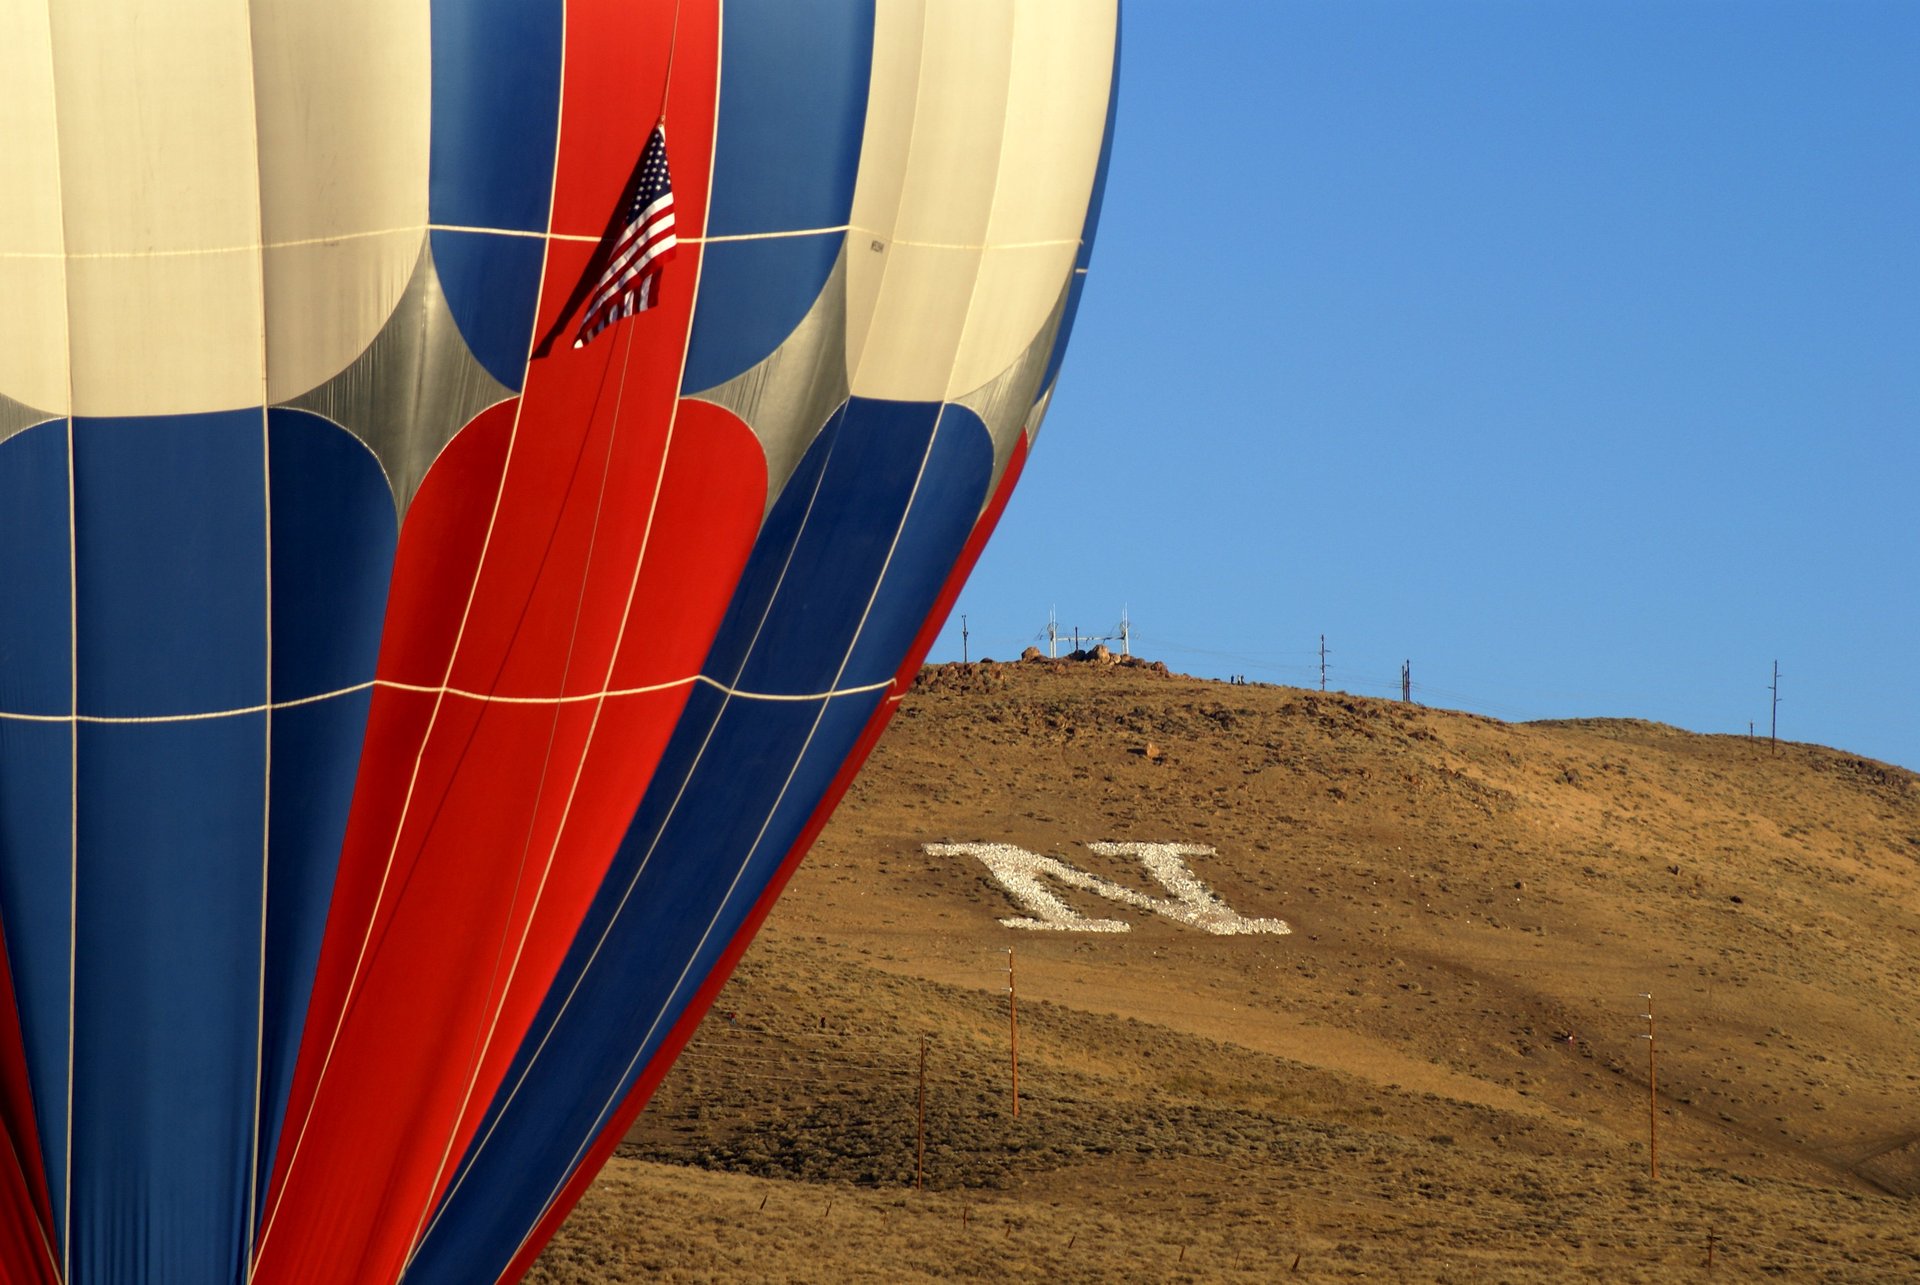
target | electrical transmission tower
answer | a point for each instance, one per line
(1123, 635)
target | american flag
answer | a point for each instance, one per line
(630, 282)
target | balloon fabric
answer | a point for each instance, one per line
(402, 735)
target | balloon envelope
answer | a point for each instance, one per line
(402, 734)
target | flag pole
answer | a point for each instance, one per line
(603, 251)
(673, 47)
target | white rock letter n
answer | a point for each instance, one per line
(1021, 873)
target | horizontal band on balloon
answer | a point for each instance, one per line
(418, 229)
(425, 689)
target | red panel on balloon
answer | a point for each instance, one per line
(25, 1214)
(690, 1018)
(590, 531)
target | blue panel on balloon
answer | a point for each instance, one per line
(334, 533)
(846, 569)
(752, 295)
(793, 109)
(578, 1079)
(767, 565)
(172, 564)
(873, 461)
(36, 649)
(492, 284)
(946, 502)
(316, 758)
(172, 833)
(496, 110)
(36, 866)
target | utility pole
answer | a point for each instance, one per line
(920, 1144)
(1406, 680)
(1126, 633)
(1323, 662)
(963, 638)
(1013, 1033)
(1773, 728)
(1053, 634)
(1653, 1098)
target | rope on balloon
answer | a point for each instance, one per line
(504, 968)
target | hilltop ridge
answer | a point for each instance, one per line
(1435, 1072)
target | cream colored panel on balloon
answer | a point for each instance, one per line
(899, 29)
(978, 210)
(126, 363)
(33, 279)
(160, 199)
(163, 199)
(1056, 121)
(959, 116)
(344, 111)
(917, 318)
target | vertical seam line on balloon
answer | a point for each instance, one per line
(706, 219)
(453, 654)
(728, 692)
(626, 615)
(686, 781)
(485, 1040)
(266, 737)
(62, 1262)
(899, 200)
(853, 644)
(666, 450)
(553, 186)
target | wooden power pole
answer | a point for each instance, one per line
(1773, 728)
(920, 1141)
(1653, 1098)
(1013, 1033)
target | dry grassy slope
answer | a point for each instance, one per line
(1388, 1089)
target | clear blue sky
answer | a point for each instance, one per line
(1568, 350)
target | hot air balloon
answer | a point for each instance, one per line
(406, 723)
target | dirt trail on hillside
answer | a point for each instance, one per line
(1435, 1075)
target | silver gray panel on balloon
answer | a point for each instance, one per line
(17, 418)
(415, 386)
(788, 397)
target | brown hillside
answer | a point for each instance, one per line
(1436, 1075)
